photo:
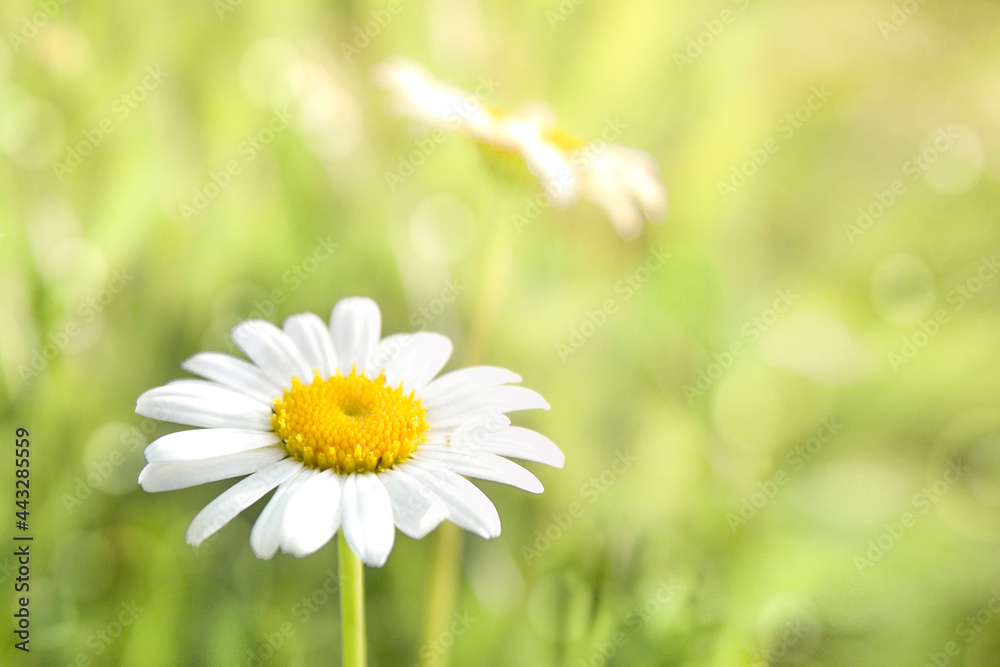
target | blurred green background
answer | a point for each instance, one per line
(802, 400)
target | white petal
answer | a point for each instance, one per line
(415, 508)
(481, 465)
(468, 507)
(545, 160)
(651, 194)
(271, 348)
(475, 405)
(464, 381)
(312, 515)
(207, 443)
(312, 337)
(520, 443)
(237, 498)
(235, 373)
(413, 359)
(512, 399)
(539, 112)
(388, 348)
(420, 95)
(356, 325)
(235, 411)
(474, 431)
(204, 390)
(367, 519)
(265, 536)
(624, 215)
(620, 180)
(448, 417)
(171, 475)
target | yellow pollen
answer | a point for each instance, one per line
(562, 139)
(348, 423)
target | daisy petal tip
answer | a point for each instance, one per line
(143, 480)
(443, 341)
(146, 406)
(261, 555)
(556, 458)
(434, 518)
(187, 363)
(300, 550)
(142, 406)
(362, 304)
(375, 561)
(241, 330)
(540, 403)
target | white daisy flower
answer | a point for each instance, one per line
(623, 181)
(353, 431)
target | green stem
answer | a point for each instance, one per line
(352, 606)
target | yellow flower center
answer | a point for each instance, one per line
(348, 423)
(550, 133)
(562, 138)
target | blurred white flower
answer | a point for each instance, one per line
(623, 181)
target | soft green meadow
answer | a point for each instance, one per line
(780, 408)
